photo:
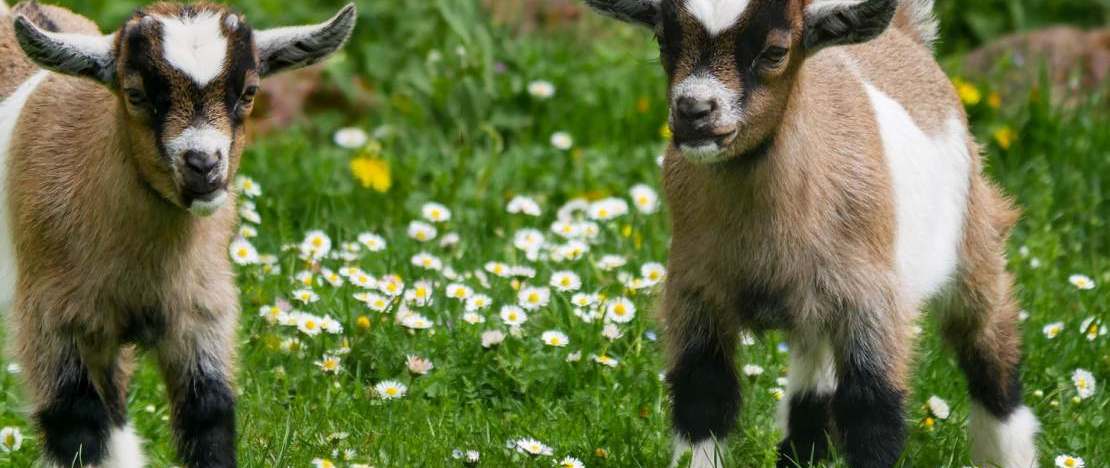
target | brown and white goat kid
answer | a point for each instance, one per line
(822, 180)
(116, 157)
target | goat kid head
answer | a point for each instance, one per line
(186, 77)
(731, 64)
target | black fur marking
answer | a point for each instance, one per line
(144, 326)
(242, 62)
(809, 425)
(204, 419)
(850, 24)
(140, 59)
(670, 42)
(752, 40)
(996, 389)
(644, 12)
(59, 56)
(869, 415)
(77, 422)
(704, 387)
(761, 309)
(309, 49)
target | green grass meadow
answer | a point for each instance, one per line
(444, 99)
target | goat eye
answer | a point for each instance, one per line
(135, 96)
(248, 94)
(772, 56)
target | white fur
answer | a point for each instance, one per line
(125, 449)
(930, 175)
(716, 16)
(205, 139)
(204, 208)
(195, 45)
(705, 454)
(1003, 444)
(706, 87)
(10, 110)
(812, 370)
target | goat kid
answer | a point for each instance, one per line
(116, 151)
(822, 180)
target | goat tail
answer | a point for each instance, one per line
(917, 19)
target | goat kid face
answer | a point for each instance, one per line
(186, 76)
(732, 64)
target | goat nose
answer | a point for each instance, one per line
(695, 109)
(201, 163)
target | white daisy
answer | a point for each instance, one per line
(608, 208)
(248, 231)
(513, 315)
(565, 281)
(523, 205)
(416, 321)
(583, 299)
(316, 244)
(541, 89)
(1069, 461)
(611, 262)
(420, 294)
(435, 212)
(391, 286)
(566, 229)
(306, 296)
(390, 389)
(605, 360)
(491, 338)
(1092, 328)
(418, 365)
(562, 140)
(247, 186)
(478, 302)
(309, 324)
(1053, 329)
(644, 198)
(528, 240)
(1085, 384)
(351, 138)
(938, 407)
(333, 278)
(532, 447)
(498, 269)
(532, 298)
(653, 272)
(570, 462)
(621, 310)
(458, 291)
(427, 261)
(242, 252)
(555, 338)
(11, 439)
(752, 370)
(1082, 282)
(329, 364)
(473, 318)
(611, 331)
(422, 232)
(362, 279)
(371, 241)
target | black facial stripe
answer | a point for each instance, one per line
(869, 414)
(77, 423)
(672, 39)
(205, 422)
(140, 52)
(242, 61)
(808, 424)
(765, 16)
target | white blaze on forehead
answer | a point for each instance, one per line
(196, 45)
(717, 16)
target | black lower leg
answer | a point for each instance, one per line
(807, 426)
(869, 414)
(204, 418)
(705, 391)
(77, 421)
(994, 385)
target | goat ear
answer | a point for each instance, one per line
(639, 12)
(282, 49)
(841, 22)
(82, 55)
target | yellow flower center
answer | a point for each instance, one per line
(9, 440)
(619, 309)
(1082, 384)
(512, 316)
(309, 324)
(317, 242)
(242, 252)
(602, 213)
(653, 275)
(421, 235)
(565, 281)
(1070, 462)
(391, 287)
(642, 200)
(533, 297)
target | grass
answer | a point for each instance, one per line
(454, 123)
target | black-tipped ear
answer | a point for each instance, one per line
(835, 22)
(641, 12)
(82, 55)
(282, 49)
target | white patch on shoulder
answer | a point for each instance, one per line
(717, 16)
(10, 110)
(705, 454)
(195, 45)
(1003, 444)
(125, 449)
(930, 176)
(812, 371)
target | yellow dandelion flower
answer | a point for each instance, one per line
(969, 93)
(362, 324)
(372, 173)
(1005, 137)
